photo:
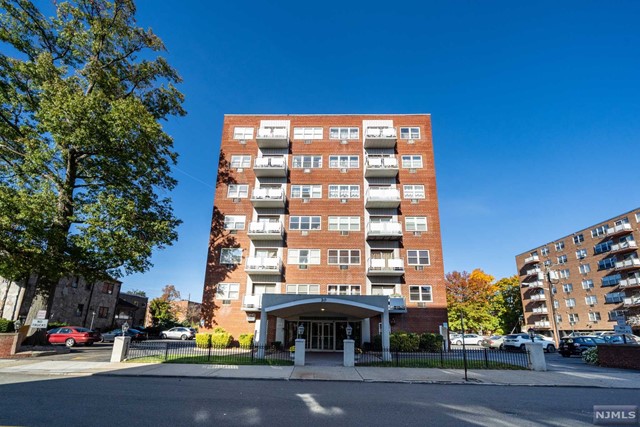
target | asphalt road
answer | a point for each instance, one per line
(131, 401)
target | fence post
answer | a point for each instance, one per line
(209, 352)
(166, 351)
(397, 358)
(251, 347)
(486, 358)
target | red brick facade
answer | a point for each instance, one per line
(229, 314)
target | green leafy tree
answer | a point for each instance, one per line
(507, 304)
(471, 294)
(162, 314)
(84, 161)
(138, 292)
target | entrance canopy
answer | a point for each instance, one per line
(353, 306)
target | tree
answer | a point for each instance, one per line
(170, 293)
(507, 304)
(162, 313)
(472, 295)
(84, 161)
(137, 292)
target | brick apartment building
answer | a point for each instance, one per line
(588, 279)
(325, 221)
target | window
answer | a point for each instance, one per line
(581, 253)
(242, 133)
(617, 314)
(602, 247)
(344, 162)
(306, 191)
(307, 162)
(638, 217)
(410, 133)
(79, 309)
(344, 133)
(556, 304)
(228, 291)
(303, 289)
(304, 256)
(230, 255)
(614, 297)
(412, 161)
(344, 256)
(567, 287)
(343, 289)
(594, 316)
(344, 191)
(559, 246)
(304, 223)
(234, 222)
(413, 191)
(547, 263)
(238, 191)
(544, 251)
(107, 288)
(573, 317)
(611, 280)
(558, 318)
(417, 257)
(564, 274)
(599, 231)
(240, 161)
(307, 133)
(578, 238)
(562, 259)
(591, 300)
(587, 284)
(415, 223)
(584, 269)
(570, 302)
(607, 263)
(103, 312)
(420, 293)
(344, 223)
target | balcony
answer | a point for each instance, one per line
(380, 137)
(630, 282)
(622, 247)
(381, 167)
(257, 265)
(538, 297)
(385, 267)
(377, 198)
(632, 301)
(273, 137)
(531, 259)
(540, 310)
(533, 272)
(535, 284)
(619, 229)
(266, 231)
(542, 324)
(270, 167)
(268, 198)
(628, 264)
(397, 305)
(384, 231)
(252, 303)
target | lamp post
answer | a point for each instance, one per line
(532, 333)
(300, 330)
(349, 329)
(93, 316)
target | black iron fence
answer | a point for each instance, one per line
(189, 352)
(454, 358)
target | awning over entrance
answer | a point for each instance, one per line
(353, 306)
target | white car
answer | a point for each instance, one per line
(178, 333)
(470, 339)
(517, 341)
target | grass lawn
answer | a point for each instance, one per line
(446, 364)
(213, 360)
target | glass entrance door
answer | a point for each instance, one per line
(322, 336)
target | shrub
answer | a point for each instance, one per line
(402, 341)
(431, 342)
(221, 339)
(590, 356)
(6, 325)
(245, 340)
(277, 345)
(203, 340)
(292, 349)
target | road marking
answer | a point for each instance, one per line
(316, 408)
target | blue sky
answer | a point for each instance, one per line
(523, 96)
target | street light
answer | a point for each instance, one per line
(349, 329)
(532, 333)
(300, 330)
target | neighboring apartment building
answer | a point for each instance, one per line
(185, 311)
(131, 309)
(325, 221)
(588, 279)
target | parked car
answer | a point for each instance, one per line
(517, 341)
(494, 342)
(621, 339)
(135, 335)
(178, 333)
(576, 345)
(72, 335)
(471, 339)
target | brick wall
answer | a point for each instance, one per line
(619, 355)
(8, 344)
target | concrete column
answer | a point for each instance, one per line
(262, 335)
(349, 352)
(299, 360)
(537, 361)
(120, 347)
(386, 353)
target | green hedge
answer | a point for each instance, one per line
(431, 342)
(408, 341)
(203, 340)
(245, 340)
(6, 326)
(221, 339)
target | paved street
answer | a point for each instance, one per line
(108, 401)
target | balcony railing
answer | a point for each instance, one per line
(386, 166)
(259, 265)
(268, 198)
(533, 272)
(266, 230)
(272, 137)
(540, 310)
(385, 267)
(382, 198)
(629, 245)
(628, 264)
(397, 305)
(619, 229)
(380, 137)
(270, 166)
(542, 324)
(630, 282)
(252, 303)
(535, 284)
(384, 230)
(531, 259)
(538, 297)
(632, 301)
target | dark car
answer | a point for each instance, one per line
(621, 339)
(135, 335)
(72, 335)
(576, 345)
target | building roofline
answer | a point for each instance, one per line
(581, 230)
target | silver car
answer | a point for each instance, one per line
(178, 333)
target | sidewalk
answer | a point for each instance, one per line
(613, 379)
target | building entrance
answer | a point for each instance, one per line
(323, 335)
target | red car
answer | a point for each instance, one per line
(72, 335)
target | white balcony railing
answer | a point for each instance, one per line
(394, 266)
(623, 246)
(628, 263)
(380, 137)
(542, 324)
(273, 137)
(631, 281)
(252, 302)
(382, 198)
(536, 284)
(266, 230)
(534, 271)
(270, 166)
(386, 166)
(532, 258)
(620, 228)
(264, 265)
(268, 197)
(384, 229)
(541, 310)
(632, 300)
(538, 297)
